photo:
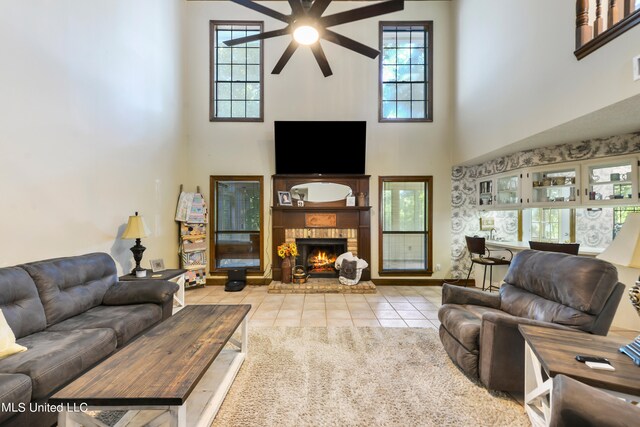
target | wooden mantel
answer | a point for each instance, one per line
(336, 214)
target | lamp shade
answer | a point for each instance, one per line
(625, 248)
(136, 228)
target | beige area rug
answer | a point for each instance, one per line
(347, 376)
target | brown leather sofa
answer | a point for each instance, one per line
(479, 330)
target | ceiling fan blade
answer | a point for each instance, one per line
(318, 7)
(264, 10)
(259, 36)
(296, 7)
(350, 44)
(285, 57)
(362, 13)
(321, 59)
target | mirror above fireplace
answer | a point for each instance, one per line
(320, 192)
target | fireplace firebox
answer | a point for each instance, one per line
(318, 256)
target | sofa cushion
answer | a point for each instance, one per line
(126, 320)
(20, 302)
(521, 303)
(463, 323)
(15, 390)
(72, 285)
(55, 358)
(579, 282)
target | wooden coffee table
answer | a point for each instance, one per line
(549, 352)
(177, 373)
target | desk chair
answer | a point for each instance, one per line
(480, 254)
(565, 248)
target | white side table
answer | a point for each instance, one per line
(549, 352)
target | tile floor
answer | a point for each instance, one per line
(391, 306)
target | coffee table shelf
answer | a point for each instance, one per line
(177, 373)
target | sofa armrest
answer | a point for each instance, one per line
(501, 359)
(452, 294)
(140, 292)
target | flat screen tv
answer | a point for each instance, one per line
(320, 147)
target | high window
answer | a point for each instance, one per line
(405, 225)
(236, 240)
(236, 73)
(406, 71)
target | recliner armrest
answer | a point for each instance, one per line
(508, 321)
(452, 294)
(140, 292)
(501, 355)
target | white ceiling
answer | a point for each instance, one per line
(616, 119)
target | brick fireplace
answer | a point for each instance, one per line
(342, 228)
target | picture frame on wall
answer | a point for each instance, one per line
(157, 265)
(284, 198)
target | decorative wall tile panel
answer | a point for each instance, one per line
(594, 227)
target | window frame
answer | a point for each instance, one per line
(212, 66)
(428, 28)
(213, 226)
(428, 181)
(567, 224)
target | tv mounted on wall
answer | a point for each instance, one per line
(320, 147)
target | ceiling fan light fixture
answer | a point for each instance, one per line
(306, 34)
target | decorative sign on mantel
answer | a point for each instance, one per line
(318, 220)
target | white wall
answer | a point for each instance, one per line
(517, 75)
(301, 93)
(90, 127)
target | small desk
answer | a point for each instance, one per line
(521, 246)
(549, 352)
(172, 275)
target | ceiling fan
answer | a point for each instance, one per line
(307, 25)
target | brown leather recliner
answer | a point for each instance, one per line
(479, 330)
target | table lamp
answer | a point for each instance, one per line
(136, 229)
(625, 251)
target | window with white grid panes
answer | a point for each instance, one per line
(406, 71)
(549, 225)
(236, 72)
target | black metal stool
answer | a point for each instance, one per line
(476, 246)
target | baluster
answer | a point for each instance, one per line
(612, 13)
(597, 24)
(583, 30)
(629, 7)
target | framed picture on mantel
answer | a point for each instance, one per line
(284, 198)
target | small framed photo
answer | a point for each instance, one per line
(157, 265)
(487, 224)
(351, 200)
(284, 198)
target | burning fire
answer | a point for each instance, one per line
(322, 261)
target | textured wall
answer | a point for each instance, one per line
(301, 93)
(593, 228)
(91, 127)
